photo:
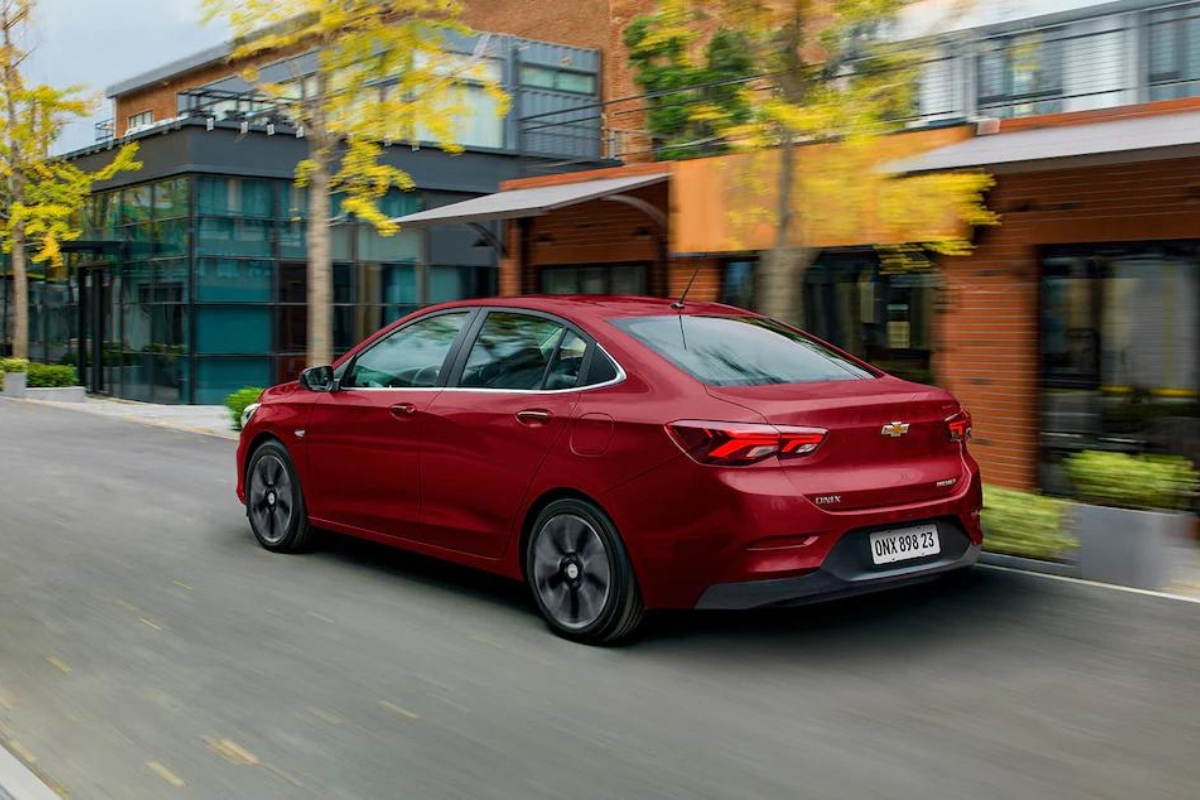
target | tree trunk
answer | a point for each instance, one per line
(320, 267)
(780, 276)
(20, 334)
(9, 18)
(320, 257)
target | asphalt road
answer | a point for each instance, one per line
(150, 649)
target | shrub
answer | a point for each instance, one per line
(237, 402)
(49, 376)
(1024, 524)
(1133, 481)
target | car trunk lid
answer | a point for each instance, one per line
(887, 441)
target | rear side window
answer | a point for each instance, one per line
(512, 351)
(740, 351)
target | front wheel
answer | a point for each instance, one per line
(274, 502)
(581, 575)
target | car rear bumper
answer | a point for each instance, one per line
(848, 570)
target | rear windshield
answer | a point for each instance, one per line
(740, 351)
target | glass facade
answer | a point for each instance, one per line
(209, 294)
(1120, 340)
(883, 318)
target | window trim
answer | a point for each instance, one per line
(476, 326)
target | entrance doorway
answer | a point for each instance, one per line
(97, 353)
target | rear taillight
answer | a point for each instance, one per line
(740, 443)
(959, 426)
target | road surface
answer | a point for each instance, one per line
(150, 649)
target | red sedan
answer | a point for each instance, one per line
(620, 454)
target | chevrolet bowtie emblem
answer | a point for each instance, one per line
(895, 429)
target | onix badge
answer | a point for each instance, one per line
(894, 429)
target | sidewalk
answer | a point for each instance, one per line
(208, 420)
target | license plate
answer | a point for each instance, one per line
(903, 544)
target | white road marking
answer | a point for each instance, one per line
(1097, 584)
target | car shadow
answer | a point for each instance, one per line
(909, 619)
(943, 608)
(426, 570)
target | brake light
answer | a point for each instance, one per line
(959, 426)
(739, 443)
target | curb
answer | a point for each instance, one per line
(1029, 565)
(18, 782)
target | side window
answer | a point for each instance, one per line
(568, 360)
(511, 351)
(601, 370)
(412, 356)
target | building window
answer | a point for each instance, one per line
(737, 283)
(558, 80)
(138, 120)
(1120, 336)
(619, 279)
(1173, 48)
(1022, 75)
(471, 117)
(885, 319)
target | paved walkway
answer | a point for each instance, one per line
(210, 420)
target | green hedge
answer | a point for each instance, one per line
(1024, 524)
(1133, 481)
(237, 402)
(50, 376)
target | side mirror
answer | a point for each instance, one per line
(318, 379)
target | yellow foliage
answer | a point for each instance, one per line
(836, 94)
(383, 77)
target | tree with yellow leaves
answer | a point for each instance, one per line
(381, 74)
(830, 89)
(40, 196)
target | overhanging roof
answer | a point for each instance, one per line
(528, 202)
(1148, 138)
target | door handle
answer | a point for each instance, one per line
(533, 416)
(403, 410)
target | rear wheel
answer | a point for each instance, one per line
(274, 502)
(581, 575)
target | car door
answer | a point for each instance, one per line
(511, 398)
(365, 439)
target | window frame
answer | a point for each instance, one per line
(347, 367)
(1005, 47)
(1175, 21)
(593, 346)
(136, 121)
(608, 267)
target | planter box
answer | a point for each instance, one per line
(14, 384)
(59, 394)
(1129, 548)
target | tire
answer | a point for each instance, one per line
(274, 502)
(580, 574)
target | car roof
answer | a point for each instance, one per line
(596, 307)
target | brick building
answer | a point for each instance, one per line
(1073, 325)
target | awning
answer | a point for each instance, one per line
(1149, 138)
(528, 202)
